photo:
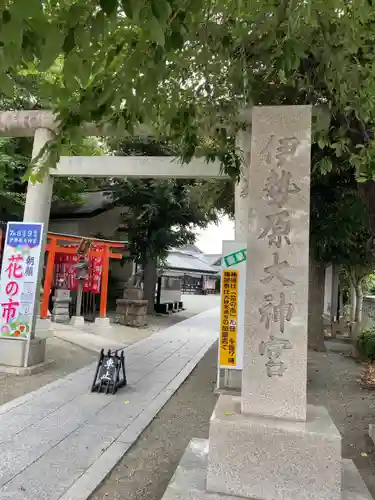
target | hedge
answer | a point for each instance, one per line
(366, 344)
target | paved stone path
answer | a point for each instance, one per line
(60, 441)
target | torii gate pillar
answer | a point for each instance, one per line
(39, 195)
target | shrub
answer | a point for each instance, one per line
(366, 344)
(369, 285)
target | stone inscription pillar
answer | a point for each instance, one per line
(269, 444)
(275, 350)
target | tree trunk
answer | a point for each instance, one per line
(149, 283)
(359, 302)
(341, 303)
(353, 303)
(367, 190)
(316, 305)
(356, 325)
(334, 294)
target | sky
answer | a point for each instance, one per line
(209, 240)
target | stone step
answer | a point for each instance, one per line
(353, 486)
(189, 480)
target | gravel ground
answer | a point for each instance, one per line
(333, 383)
(145, 471)
(68, 358)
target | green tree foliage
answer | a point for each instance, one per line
(369, 284)
(219, 193)
(339, 226)
(161, 214)
(13, 164)
(366, 344)
(16, 152)
(340, 233)
(186, 66)
(15, 158)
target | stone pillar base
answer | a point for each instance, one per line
(230, 381)
(61, 303)
(61, 318)
(12, 351)
(273, 459)
(133, 294)
(43, 325)
(102, 323)
(77, 321)
(131, 312)
(189, 480)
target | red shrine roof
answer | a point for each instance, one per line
(75, 238)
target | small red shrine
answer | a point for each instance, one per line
(61, 250)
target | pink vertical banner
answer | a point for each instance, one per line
(19, 278)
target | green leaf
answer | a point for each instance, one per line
(69, 42)
(338, 148)
(84, 73)
(132, 8)
(156, 31)
(11, 32)
(321, 118)
(161, 10)
(322, 143)
(27, 9)
(121, 126)
(281, 75)
(108, 6)
(158, 54)
(97, 26)
(325, 165)
(52, 49)
(83, 40)
(70, 73)
(6, 85)
(196, 5)
(76, 14)
(6, 16)
(126, 5)
(174, 41)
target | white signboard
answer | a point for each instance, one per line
(233, 280)
(19, 277)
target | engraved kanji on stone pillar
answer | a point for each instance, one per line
(274, 372)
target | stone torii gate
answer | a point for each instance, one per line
(42, 126)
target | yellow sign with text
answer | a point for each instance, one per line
(228, 324)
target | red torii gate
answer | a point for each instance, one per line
(101, 249)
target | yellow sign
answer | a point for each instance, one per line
(229, 311)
